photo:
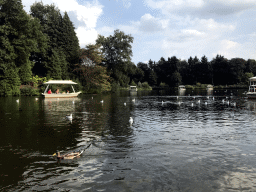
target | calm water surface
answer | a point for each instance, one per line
(177, 145)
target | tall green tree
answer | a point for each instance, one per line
(62, 42)
(117, 51)
(20, 35)
(70, 43)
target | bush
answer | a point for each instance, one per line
(139, 85)
(145, 85)
(163, 85)
(133, 83)
(115, 87)
(28, 90)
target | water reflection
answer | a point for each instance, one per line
(170, 146)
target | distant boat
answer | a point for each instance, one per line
(60, 95)
(252, 88)
(133, 90)
(182, 87)
(209, 87)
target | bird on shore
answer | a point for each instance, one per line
(71, 155)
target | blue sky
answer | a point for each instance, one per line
(166, 28)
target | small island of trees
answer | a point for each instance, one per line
(43, 45)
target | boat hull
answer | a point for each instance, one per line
(251, 95)
(64, 95)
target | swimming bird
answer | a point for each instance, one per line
(192, 104)
(198, 101)
(69, 117)
(205, 103)
(131, 120)
(102, 101)
(73, 102)
(71, 155)
(36, 99)
(213, 98)
(133, 100)
(124, 104)
(162, 102)
(17, 100)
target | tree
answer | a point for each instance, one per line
(20, 35)
(92, 75)
(62, 42)
(117, 52)
(70, 43)
(220, 68)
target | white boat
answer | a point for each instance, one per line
(182, 87)
(60, 95)
(209, 87)
(252, 88)
(133, 89)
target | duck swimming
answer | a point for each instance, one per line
(71, 155)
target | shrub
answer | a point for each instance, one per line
(139, 85)
(145, 85)
(133, 83)
(28, 90)
(163, 85)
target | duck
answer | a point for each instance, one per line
(71, 155)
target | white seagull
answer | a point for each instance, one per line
(69, 117)
(124, 104)
(130, 120)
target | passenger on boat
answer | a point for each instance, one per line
(67, 91)
(50, 91)
(57, 91)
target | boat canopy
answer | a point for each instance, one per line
(69, 82)
(253, 79)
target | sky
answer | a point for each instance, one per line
(166, 28)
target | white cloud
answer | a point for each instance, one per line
(201, 8)
(148, 23)
(86, 36)
(87, 13)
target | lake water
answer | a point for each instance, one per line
(177, 145)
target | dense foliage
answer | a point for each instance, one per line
(43, 45)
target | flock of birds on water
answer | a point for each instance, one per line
(195, 100)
